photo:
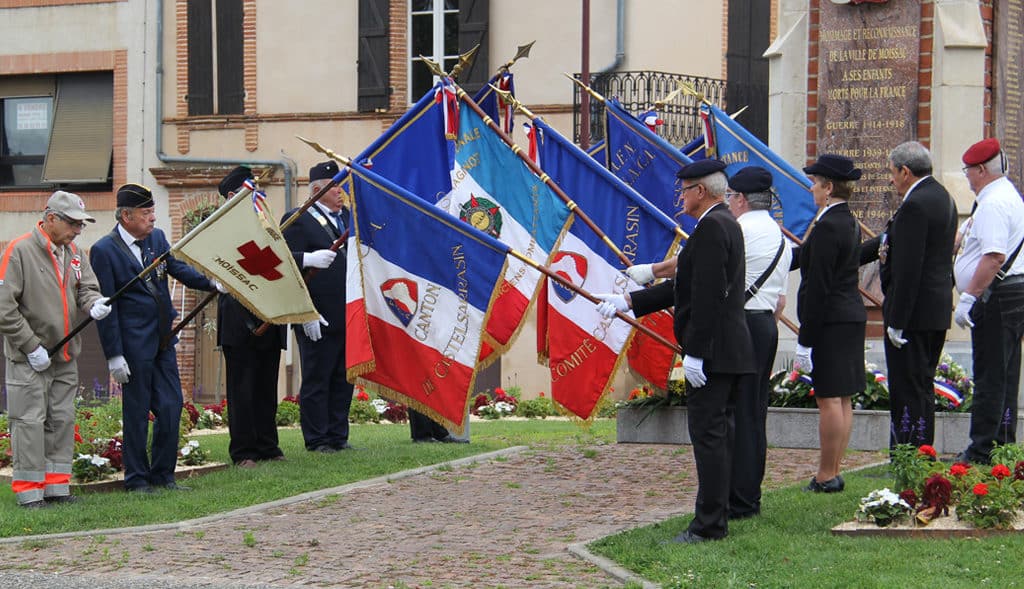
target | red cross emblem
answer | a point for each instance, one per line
(259, 261)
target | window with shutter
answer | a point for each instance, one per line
(441, 30)
(374, 57)
(215, 57)
(57, 130)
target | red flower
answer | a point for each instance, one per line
(78, 436)
(499, 391)
(794, 375)
(1018, 471)
(909, 496)
(294, 399)
(981, 489)
(362, 396)
(1000, 471)
(937, 493)
(541, 394)
(959, 469)
(927, 450)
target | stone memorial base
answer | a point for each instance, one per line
(791, 428)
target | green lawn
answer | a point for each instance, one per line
(790, 545)
(383, 449)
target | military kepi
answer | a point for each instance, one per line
(134, 196)
(234, 180)
(751, 179)
(323, 171)
(981, 151)
(701, 168)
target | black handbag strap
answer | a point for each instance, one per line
(1007, 265)
(754, 288)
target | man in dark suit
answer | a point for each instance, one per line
(252, 362)
(325, 395)
(711, 327)
(916, 264)
(136, 336)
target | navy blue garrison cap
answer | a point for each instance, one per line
(234, 180)
(323, 171)
(700, 168)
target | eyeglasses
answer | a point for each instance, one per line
(729, 194)
(685, 188)
(72, 222)
(965, 168)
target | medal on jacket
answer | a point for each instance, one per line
(161, 271)
(883, 248)
(76, 266)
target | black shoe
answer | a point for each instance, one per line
(345, 446)
(425, 441)
(450, 439)
(833, 485)
(173, 486)
(143, 489)
(324, 449)
(61, 499)
(745, 515)
(37, 504)
(965, 458)
(687, 537)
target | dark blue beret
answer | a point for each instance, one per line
(233, 181)
(751, 179)
(134, 196)
(700, 168)
(835, 167)
(323, 171)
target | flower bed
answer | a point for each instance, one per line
(926, 491)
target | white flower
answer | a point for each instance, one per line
(380, 405)
(503, 407)
(99, 461)
(186, 450)
(83, 457)
(193, 443)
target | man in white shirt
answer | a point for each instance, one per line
(767, 258)
(990, 277)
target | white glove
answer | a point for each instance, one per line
(39, 359)
(100, 309)
(611, 304)
(220, 287)
(693, 368)
(962, 315)
(896, 337)
(312, 328)
(118, 367)
(318, 259)
(641, 273)
(803, 359)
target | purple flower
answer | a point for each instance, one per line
(944, 367)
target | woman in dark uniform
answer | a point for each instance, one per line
(831, 313)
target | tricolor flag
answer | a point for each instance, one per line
(948, 392)
(583, 348)
(241, 246)
(494, 105)
(739, 149)
(496, 192)
(420, 286)
(644, 161)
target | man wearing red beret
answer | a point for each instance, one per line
(989, 274)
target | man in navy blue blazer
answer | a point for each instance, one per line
(136, 337)
(325, 395)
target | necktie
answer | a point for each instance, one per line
(142, 251)
(339, 221)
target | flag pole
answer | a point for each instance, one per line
(152, 266)
(291, 219)
(425, 208)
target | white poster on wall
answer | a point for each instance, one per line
(32, 115)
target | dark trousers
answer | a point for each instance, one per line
(912, 386)
(995, 340)
(252, 402)
(324, 396)
(154, 386)
(751, 444)
(710, 418)
(422, 427)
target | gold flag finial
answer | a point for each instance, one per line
(507, 97)
(326, 151)
(523, 51)
(688, 89)
(659, 104)
(464, 61)
(589, 90)
(433, 66)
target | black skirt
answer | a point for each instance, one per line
(838, 363)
